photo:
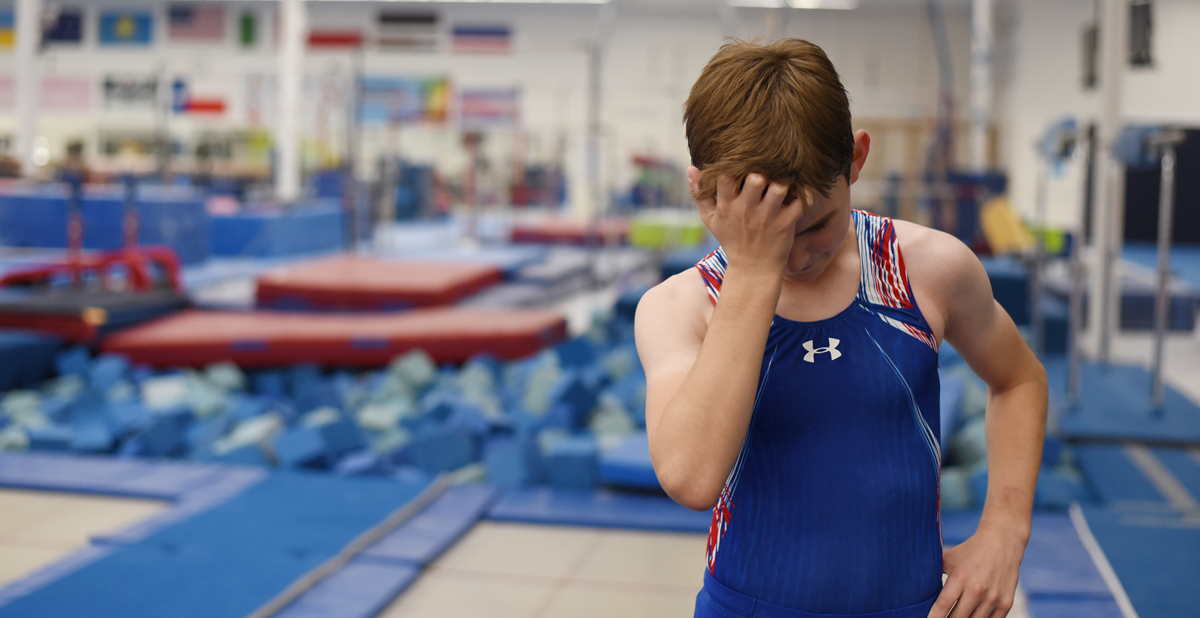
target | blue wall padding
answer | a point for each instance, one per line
(1115, 405)
(440, 449)
(230, 560)
(26, 357)
(599, 509)
(1184, 465)
(1056, 314)
(512, 462)
(311, 228)
(628, 464)
(172, 218)
(361, 589)
(1156, 561)
(573, 463)
(1112, 476)
(1010, 286)
(423, 538)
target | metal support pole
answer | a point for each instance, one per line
(1077, 275)
(1037, 316)
(29, 38)
(981, 82)
(1162, 298)
(293, 24)
(1114, 46)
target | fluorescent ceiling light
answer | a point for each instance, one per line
(843, 5)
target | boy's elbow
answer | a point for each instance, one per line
(684, 489)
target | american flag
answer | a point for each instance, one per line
(196, 22)
(480, 39)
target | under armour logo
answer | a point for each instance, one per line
(831, 349)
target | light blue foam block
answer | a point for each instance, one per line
(628, 464)
(573, 463)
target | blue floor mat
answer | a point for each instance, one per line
(1185, 259)
(1115, 406)
(1157, 559)
(600, 509)
(424, 537)
(230, 560)
(1184, 464)
(1112, 477)
(360, 589)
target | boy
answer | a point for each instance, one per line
(802, 408)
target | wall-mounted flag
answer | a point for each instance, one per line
(195, 22)
(408, 31)
(481, 39)
(66, 26)
(184, 102)
(341, 38)
(126, 28)
(8, 33)
(130, 91)
(489, 108)
(248, 29)
(388, 100)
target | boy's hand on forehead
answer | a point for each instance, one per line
(754, 220)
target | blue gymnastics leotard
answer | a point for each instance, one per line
(832, 505)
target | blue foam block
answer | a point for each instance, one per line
(26, 357)
(73, 361)
(230, 560)
(576, 353)
(299, 446)
(50, 438)
(360, 589)
(248, 455)
(1057, 490)
(342, 437)
(243, 407)
(92, 436)
(108, 370)
(363, 462)
(627, 302)
(423, 538)
(579, 395)
(600, 509)
(512, 462)
(573, 463)
(628, 464)
(441, 449)
(269, 383)
(125, 415)
(165, 433)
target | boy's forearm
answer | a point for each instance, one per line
(1016, 426)
(701, 430)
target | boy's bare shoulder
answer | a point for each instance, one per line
(683, 296)
(925, 248)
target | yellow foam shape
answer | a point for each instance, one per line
(665, 230)
(1002, 227)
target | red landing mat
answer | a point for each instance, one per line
(348, 282)
(571, 232)
(272, 338)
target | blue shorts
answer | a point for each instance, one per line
(717, 601)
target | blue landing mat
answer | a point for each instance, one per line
(1112, 476)
(1156, 559)
(230, 560)
(1115, 406)
(600, 509)
(1185, 259)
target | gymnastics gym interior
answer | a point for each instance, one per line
(325, 308)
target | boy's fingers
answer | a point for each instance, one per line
(753, 188)
(945, 601)
(774, 195)
(726, 190)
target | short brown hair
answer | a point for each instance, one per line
(777, 109)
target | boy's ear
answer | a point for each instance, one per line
(693, 175)
(862, 147)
